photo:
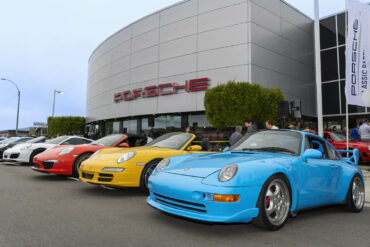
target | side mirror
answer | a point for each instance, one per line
(225, 149)
(311, 154)
(123, 145)
(194, 148)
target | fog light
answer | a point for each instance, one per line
(226, 198)
(113, 169)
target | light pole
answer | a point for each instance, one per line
(19, 100)
(55, 92)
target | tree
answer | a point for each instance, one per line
(66, 126)
(231, 103)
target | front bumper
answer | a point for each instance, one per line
(17, 155)
(46, 166)
(188, 197)
(130, 177)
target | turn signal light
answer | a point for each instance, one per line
(226, 198)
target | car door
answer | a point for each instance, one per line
(317, 177)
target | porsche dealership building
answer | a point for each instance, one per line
(151, 76)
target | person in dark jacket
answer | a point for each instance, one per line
(236, 135)
(250, 126)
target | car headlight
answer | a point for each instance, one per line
(3, 145)
(125, 157)
(368, 147)
(25, 147)
(113, 169)
(227, 173)
(66, 151)
(163, 164)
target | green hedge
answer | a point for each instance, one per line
(66, 126)
(231, 103)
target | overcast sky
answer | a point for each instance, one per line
(45, 45)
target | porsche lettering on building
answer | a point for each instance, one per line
(162, 89)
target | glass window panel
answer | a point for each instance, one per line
(160, 122)
(115, 127)
(108, 128)
(329, 65)
(342, 62)
(132, 127)
(341, 21)
(351, 108)
(198, 121)
(126, 127)
(328, 36)
(330, 98)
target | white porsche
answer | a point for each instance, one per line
(24, 153)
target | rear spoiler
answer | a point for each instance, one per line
(353, 160)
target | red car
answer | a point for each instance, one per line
(66, 159)
(338, 139)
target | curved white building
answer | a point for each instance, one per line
(152, 74)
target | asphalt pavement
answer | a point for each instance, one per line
(49, 210)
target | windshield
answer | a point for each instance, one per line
(171, 140)
(108, 141)
(36, 140)
(339, 137)
(22, 139)
(57, 140)
(287, 142)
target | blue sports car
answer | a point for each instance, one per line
(262, 179)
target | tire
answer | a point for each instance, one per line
(147, 171)
(34, 153)
(77, 164)
(356, 195)
(274, 203)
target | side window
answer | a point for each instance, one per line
(75, 141)
(318, 145)
(332, 154)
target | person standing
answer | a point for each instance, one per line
(354, 133)
(270, 125)
(364, 131)
(236, 135)
(250, 126)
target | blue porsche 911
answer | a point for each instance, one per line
(262, 179)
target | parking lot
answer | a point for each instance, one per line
(49, 210)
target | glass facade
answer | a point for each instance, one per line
(332, 35)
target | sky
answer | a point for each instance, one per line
(45, 45)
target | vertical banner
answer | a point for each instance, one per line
(358, 54)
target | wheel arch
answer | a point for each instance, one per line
(34, 153)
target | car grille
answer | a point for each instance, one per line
(176, 203)
(87, 176)
(14, 156)
(36, 165)
(105, 177)
(48, 164)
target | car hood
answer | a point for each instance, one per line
(115, 153)
(205, 165)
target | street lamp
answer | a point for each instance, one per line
(19, 99)
(55, 92)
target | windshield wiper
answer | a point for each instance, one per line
(270, 149)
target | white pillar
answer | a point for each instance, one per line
(318, 70)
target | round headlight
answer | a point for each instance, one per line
(66, 151)
(227, 173)
(125, 157)
(163, 164)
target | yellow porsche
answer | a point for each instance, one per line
(131, 167)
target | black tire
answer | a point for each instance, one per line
(278, 200)
(77, 164)
(147, 171)
(356, 197)
(34, 153)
